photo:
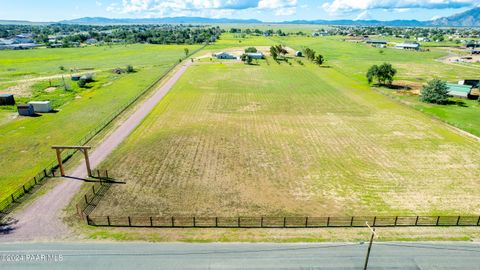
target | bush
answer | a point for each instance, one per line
(251, 50)
(82, 83)
(130, 69)
(436, 91)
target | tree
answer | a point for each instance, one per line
(251, 50)
(319, 60)
(273, 53)
(383, 73)
(186, 51)
(82, 83)
(436, 91)
(309, 53)
(130, 69)
(247, 59)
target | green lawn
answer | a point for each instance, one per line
(25, 141)
(238, 140)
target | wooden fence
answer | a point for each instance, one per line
(281, 222)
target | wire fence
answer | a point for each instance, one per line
(49, 170)
(280, 222)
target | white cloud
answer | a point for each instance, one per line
(337, 6)
(210, 8)
(98, 3)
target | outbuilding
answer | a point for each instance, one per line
(257, 55)
(41, 106)
(298, 54)
(7, 99)
(25, 110)
(457, 90)
(408, 46)
(224, 55)
(376, 42)
(75, 78)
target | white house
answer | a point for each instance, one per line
(408, 46)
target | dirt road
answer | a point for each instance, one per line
(41, 220)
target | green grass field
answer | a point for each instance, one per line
(26, 141)
(237, 140)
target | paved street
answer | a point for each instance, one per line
(239, 256)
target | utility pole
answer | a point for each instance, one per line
(369, 245)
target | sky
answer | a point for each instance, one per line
(264, 10)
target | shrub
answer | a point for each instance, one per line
(251, 50)
(82, 83)
(130, 69)
(436, 91)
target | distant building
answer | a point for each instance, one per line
(408, 46)
(91, 41)
(472, 83)
(224, 55)
(457, 90)
(23, 38)
(298, 54)
(376, 42)
(423, 39)
(257, 55)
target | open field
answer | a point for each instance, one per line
(26, 141)
(237, 140)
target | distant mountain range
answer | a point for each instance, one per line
(470, 18)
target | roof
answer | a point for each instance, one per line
(39, 102)
(459, 90)
(255, 54)
(408, 45)
(6, 95)
(377, 41)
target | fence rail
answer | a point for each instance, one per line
(280, 222)
(49, 170)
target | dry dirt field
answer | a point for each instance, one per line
(237, 140)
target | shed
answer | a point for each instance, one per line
(473, 83)
(376, 42)
(75, 78)
(41, 106)
(408, 46)
(457, 90)
(7, 99)
(257, 55)
(298, 54)
(25, 110)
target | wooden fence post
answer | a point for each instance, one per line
(238, 222)
(98, 173)
(88, 220)
(478, 221)
(458, 220)
(284, 222)
(86, 199)
(108, 220)
(129, 222)
(328, 221)
(45, 172)
(261, 222)
(35, 179)
(13, 198)
(173, 222)
(396, 219)
(194, 223)
(24, 189)
(306, 222)
(374, 220)
(216, 222)
(93, 189)
(438, 220)
(151, 222)
(106, 174)
(351, 222)
(416, 221)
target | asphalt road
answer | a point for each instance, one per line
(238, 256)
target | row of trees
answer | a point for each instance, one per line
(278, 52)
(313, 56)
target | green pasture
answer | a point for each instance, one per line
(289, 140)
(26, 141)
